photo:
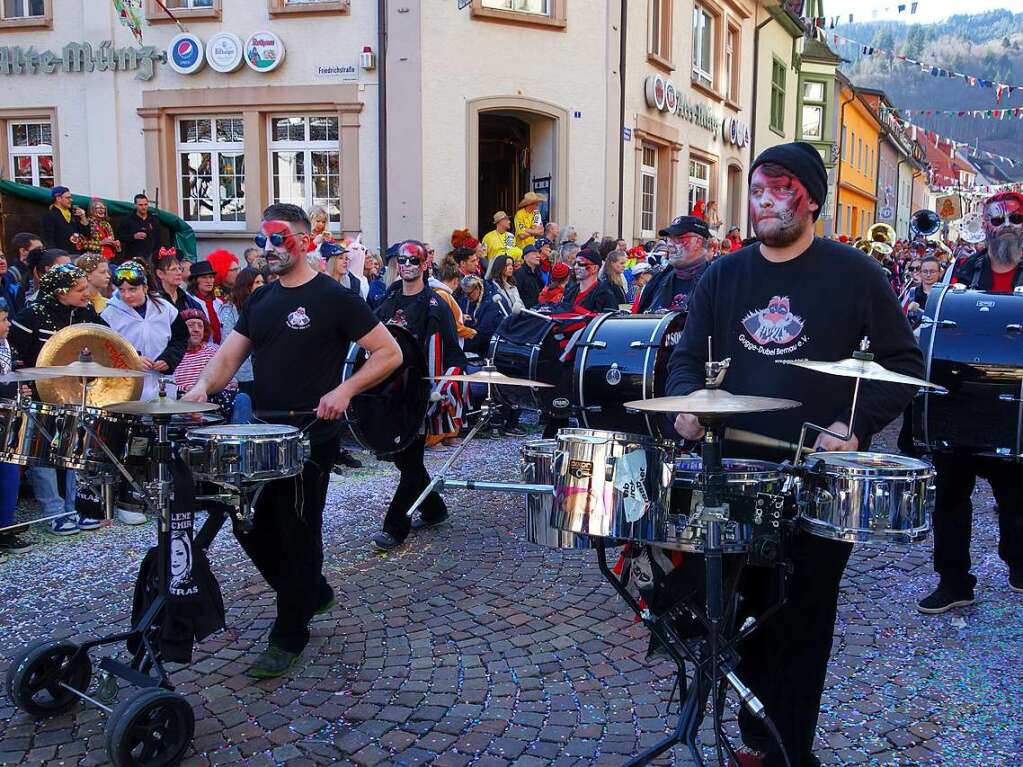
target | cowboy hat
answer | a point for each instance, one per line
(530, 198)
(501, 216)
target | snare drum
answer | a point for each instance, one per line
(866, 497)
(613, 485)
(76, 448)
(537, 467)
(742, 477)
(28, 432)
(242, 453)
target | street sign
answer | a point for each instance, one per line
(464, 4)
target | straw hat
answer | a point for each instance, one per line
(530, 198)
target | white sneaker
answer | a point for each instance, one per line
(130, 517)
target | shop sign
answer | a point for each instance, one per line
(735, 131)
(81, 57)
(264, 52)
(224, 52)
(185, 54)
(662, 95)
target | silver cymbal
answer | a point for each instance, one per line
(491, 377)
(20, 376)
(85, 370)
(709, 402)
(161, 406)
(854, 368)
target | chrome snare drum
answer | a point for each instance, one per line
(866, 497)
(537, 468)
(27, 431)
(613, 485)
(243, 453)
(742, 477)
(76, 443)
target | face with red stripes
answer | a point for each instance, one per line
(780, 206)
(1003, 226)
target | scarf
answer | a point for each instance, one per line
(65, 213)
(690, 271)
(212, 316)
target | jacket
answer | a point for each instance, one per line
(56, 231)
(12, 293)
(975, 273)
(429, 317)
(529, 282)
(444, 293)
(657, 294)
(484, 315)
(143, 250)
(600, 298)
(37, 322)
(160, 335)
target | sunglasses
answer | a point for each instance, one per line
(585, 264)
(914, 268)
(1014, 218)
(408, 260)
(276, 239)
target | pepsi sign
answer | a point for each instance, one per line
(186, 54)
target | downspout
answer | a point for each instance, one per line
(841, 154)
(753, 108)
(621, 110)
(382, 120)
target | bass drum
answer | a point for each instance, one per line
(530, 347)
(623, 357)
(973, 346)
(387, 418)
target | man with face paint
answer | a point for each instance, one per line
(687, 260)
(588, 294)
(789, 296)
(298, 331)
(998, 270)
(412, 304)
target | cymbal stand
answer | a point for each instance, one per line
(488, 409)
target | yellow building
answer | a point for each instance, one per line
(858, 141)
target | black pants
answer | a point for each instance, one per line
(550, 429)
(905, 442)
(412, 480)
(785, 660)
(286, 545)
(957, 474)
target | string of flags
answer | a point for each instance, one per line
(900, 8)
(983, 114)
(129, 13)
(1002, 90)
(936, 139)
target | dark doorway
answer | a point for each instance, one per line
(503, 166)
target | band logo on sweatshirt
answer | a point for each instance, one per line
(775, 325)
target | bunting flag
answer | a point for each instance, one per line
(1012, 113)
(1002, 90)
(129, 13)
(916, 131)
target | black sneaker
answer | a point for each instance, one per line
(347, 459)
(943, 599)
(1015, 580)
(385, 541)
(514, 431)
(273, 663)
(422, 524)
(14, 544)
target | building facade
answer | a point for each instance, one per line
(777, 43)
(819, 117)
(858, 162)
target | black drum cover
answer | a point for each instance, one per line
(973, 346)
(623, 357)
(387, 418)
(530, 347)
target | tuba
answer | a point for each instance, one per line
(881, 238)
(925, 222)
(971, 228)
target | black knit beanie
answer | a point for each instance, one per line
(804, 162)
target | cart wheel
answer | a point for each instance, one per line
(35, 675)
(152, 728)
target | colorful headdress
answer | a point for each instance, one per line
(59, 280)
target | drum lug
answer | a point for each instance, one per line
(642, 345)
(592, 344)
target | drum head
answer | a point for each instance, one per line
(251, 430)
(387, 418)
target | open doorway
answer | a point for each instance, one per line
(517, 154)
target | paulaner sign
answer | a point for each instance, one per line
(81, 57)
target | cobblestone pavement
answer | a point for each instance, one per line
(470, 646)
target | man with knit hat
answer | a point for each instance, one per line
(791, 296)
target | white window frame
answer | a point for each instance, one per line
(307, 146)
(697, 183)
(26, 7)
(521, 6)
(704, 77)
(814, 104)
(215, 148)
(732, 47)
(34, 152)
(648, 172)
(190, 5)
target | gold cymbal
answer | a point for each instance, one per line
(115, 364)
(491, 377)
(161, 406)
(854, 368)
(20, 376)
(709, 402)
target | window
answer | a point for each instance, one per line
(186, 4)
(548, 13)
(732, 64)
(190, 9)
(703, 47)
(778, 96)
(31, 152)
(26, 13)
(859, 154)
(844, 147)
(211, 168)
(540, 7)
(699, 182)
(813, 111)
(305, 163)
(648, 192)
(659, 46)
(308, 6)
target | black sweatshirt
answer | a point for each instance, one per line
(817, 306)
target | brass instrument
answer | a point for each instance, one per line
(925, 222)
(882, 238)
(108, 348)
(971, 228)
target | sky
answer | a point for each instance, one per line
(928, 11)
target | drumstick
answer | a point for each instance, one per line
(760, 440)
(282, 413)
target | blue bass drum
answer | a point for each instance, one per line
(973, 346)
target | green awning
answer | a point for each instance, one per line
(182, 233)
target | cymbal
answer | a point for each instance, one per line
(491, 377)
(854, 368)
(708, 402)
(105, 348)
(161, 406)
(86, 370)
(19, 376)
